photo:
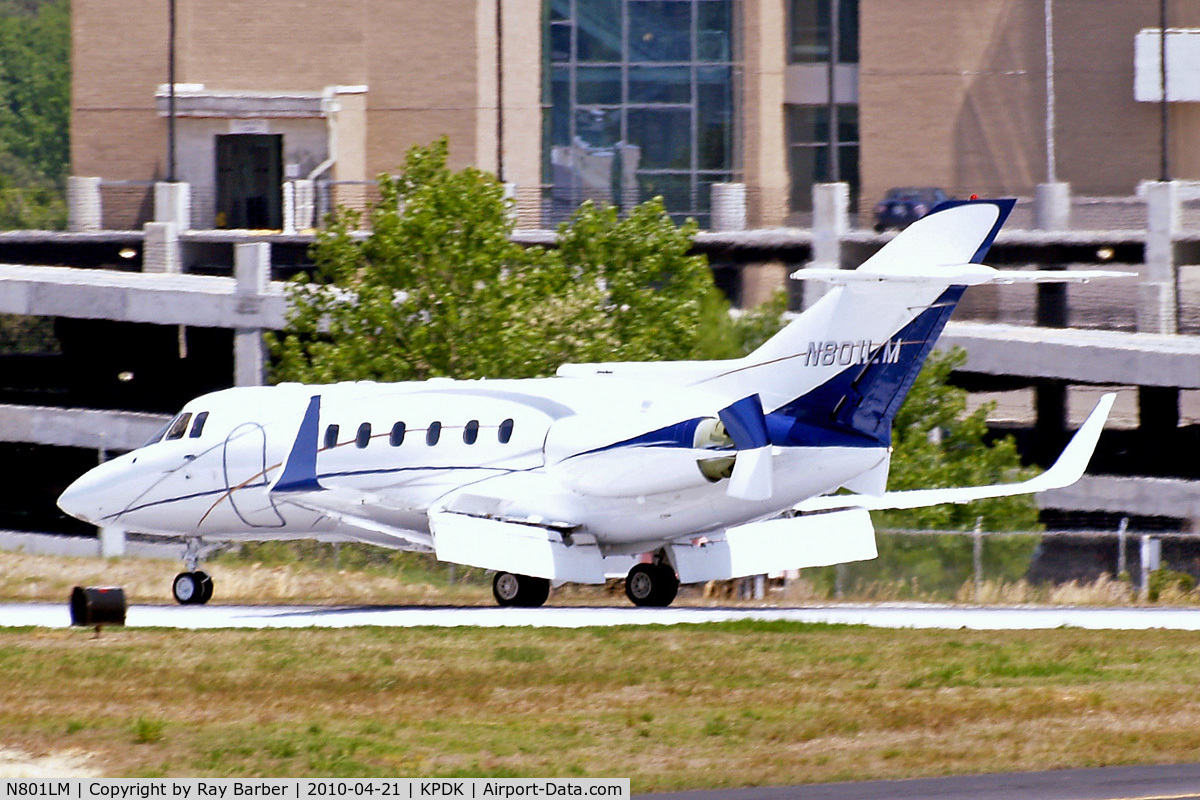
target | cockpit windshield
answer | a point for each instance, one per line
(157, 435)
(179, 426)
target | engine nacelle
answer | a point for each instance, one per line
(634, 471)
(617, 460)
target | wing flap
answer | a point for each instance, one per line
(818, 540)
(514, 547)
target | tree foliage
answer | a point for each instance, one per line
(439, 289)
(35, 91)
(937, 443)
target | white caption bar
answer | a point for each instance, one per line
(317, 789)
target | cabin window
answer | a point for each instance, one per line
(331, 436)
(397, 437)
(363, 437)
(433, 434)
(179, 426)
(198, 425)
(471, 432)
(506, 429)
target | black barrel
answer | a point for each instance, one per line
(98, 605)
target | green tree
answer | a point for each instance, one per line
(35, 78)
(439, 289)
(937, 443)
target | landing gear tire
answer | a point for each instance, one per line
(192, 588)
(206, 587)
(651, 585)
(520, 591)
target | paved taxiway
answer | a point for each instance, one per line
(882, 615)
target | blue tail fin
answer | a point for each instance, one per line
(856, 405)
(859, 403)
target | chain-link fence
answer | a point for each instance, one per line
(1084, 567)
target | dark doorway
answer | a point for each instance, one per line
(249, 171)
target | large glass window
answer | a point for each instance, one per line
(809, 23)
(817, 30)
(639, 101)
(808, 150)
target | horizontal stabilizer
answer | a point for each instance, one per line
(512, 547)
(818, 540)
(961, 275)
(1068, 469)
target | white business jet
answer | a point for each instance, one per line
(667, 473)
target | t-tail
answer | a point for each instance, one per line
(838, 374)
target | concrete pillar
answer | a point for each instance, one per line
(160, 253)
(760, 281)
(112, 542)
(831, 221)
(85, 212)
(252, 270)
(1052, 207)
(305, 209)
(728, 207)
(1158, 408)
(289, 207)
(173, 203)
(1158, 300)
(1050, 424)
(1052, 310)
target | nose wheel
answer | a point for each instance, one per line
(192, 588)
(652, 585)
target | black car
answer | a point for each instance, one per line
(904, 206)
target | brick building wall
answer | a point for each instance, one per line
(953, 95)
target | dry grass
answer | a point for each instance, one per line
(50, 578)
(693, 706)
(30, 577)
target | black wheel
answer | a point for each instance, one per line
(521, 591)
(652, 585)
(668, 585)
(187, 589)
(206, 587)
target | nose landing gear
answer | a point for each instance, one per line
(192, 587)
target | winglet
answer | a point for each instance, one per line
(299, 473)
(1066, 470)
(1075, 457)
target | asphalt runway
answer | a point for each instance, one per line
(1172, 782)
(885, 615)
(1169, 782)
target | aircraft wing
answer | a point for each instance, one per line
(1066, 470)
(357, 517)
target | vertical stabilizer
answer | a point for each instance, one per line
(844, 367)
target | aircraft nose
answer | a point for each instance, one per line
(91, 496)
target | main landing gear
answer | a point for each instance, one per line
(192, 587)
(521, 591)
(653, 585)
